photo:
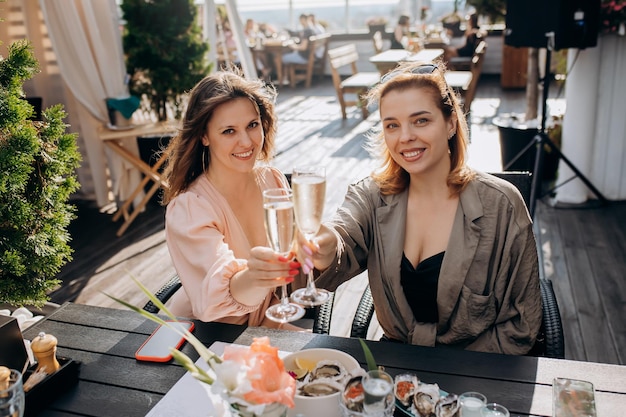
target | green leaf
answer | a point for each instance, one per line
(369, 358)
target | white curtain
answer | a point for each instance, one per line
(87, 42)
(594, 129)
(243, 50)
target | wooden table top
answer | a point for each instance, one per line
(397, 55)
(113, 383)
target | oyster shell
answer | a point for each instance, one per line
(404, 388)
(353, 394)
(425, 399)
(448, 406)
(326, 369)
(320, 387)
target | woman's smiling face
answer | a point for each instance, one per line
(234, 136)
(415, 130)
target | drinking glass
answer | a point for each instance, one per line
(494, 410)
(378, 394)
(309, 190)
(279, 225)
(471, 403)
(12, 399)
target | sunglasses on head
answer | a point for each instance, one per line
(422, 69)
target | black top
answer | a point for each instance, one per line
(394, 42)
(471, 42)
(420, 286)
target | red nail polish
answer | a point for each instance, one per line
(293, 272)
(289, 279)
(294, 265)
(282, 259)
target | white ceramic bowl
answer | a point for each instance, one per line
(327, 406)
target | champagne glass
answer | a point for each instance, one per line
(309, 189)
(279, 225)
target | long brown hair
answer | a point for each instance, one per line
(391, 177)
(188, 158)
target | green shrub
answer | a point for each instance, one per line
(37, 175)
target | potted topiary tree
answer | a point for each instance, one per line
(452, 21)
(376, 24)
(165, 52)
(38, 162)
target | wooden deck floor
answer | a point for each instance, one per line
(584, 249)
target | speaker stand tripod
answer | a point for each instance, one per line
(541, 139)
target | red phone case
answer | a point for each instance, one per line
(157, 345)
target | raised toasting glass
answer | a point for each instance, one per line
(280, 227)
(309, 189)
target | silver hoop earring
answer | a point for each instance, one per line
(204, 158)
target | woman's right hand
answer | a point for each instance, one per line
(266, 270)
(319, 252)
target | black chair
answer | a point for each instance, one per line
(550, 341)
(164, 293)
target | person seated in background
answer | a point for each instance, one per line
(472, 37)
(400, 33)
(267, 30)
(214, 221)
(299, 54)
(450, 252)
(315, 25)
(255, 39)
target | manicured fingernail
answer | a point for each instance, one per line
(309, 263)
(294, 271)
(282, 259)
(294, 264)
(306, 269)
(289, 279)
(307, 250)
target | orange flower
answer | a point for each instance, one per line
(265, 371)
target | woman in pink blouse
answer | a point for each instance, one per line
(214, 220)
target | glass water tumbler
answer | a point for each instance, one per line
(12, 399)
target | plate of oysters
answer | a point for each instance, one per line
(416, 398)
(413, 398)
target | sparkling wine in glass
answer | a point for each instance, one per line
(309, 189)
(279, 226)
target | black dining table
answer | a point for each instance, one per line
(112, 382)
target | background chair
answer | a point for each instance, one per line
(476, 68)
(314, 65)
(550, 341)
(377, 40)
(357, 83)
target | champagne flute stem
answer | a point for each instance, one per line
(310, 284)
(284, 300)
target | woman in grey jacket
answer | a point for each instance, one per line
(450, 252)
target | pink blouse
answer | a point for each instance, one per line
(208, 246)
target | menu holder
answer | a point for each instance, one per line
(51, 387)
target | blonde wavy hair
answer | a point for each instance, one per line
(430, 76)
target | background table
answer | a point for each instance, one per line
(113, 383)
(389, 59)
(114, 139)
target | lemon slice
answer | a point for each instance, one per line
(299, 373)
(306, 364)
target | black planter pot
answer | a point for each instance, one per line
(377, 28)
(454, 28)
(513, 140)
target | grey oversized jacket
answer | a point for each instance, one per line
(488, 293)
